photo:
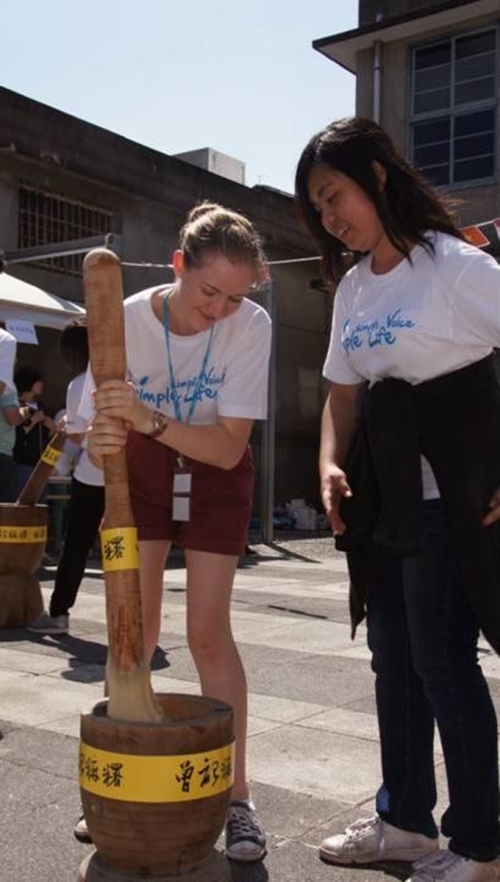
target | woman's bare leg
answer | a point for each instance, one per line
(153, 555)
(209, 584)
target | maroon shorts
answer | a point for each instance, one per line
(221, 500)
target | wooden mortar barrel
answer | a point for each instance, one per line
(23, 534)
(155, 795)
(23, 537)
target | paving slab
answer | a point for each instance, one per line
(313, 739)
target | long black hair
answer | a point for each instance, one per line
(74, 346)
(407, 205)
(25, 378)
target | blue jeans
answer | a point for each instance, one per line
(423, 636)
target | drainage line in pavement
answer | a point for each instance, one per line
(296, 612)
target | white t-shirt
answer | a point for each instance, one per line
(8, 347)
(418, 321)
(234, 382)
(85, 471)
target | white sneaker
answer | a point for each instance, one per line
(372, 840)
(81, 831)
(450, 867)
(47, 624)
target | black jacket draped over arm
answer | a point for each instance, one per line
(454, 421)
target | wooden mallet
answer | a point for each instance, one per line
(127, 670)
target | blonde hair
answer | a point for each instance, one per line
(211, 228)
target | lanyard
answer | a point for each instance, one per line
(175, 396)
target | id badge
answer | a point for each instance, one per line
(182, 482)
(181, 496)
(181, 508)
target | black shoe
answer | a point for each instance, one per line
(245, 836)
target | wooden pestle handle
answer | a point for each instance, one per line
(127, 671)
(37, 481)
(102, 281)
(105, 319)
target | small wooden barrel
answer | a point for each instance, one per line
(155, 795)
(23, 535)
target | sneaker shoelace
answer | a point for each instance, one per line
(359, 829)
(242, 823)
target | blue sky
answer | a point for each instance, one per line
(241, 77)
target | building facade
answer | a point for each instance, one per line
(63, 179)
(429, 73)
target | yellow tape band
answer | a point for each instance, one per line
(21, 535)
(51, 456)
(156, 778)
(119, 549)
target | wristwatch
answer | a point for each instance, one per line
(160, 423)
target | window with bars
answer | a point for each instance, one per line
(48, 217)
(454, 108)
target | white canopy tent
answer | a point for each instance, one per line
(20, 300)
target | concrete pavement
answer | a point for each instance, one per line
(313, 748)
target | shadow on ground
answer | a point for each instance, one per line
(248, 872)
(86, 658)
